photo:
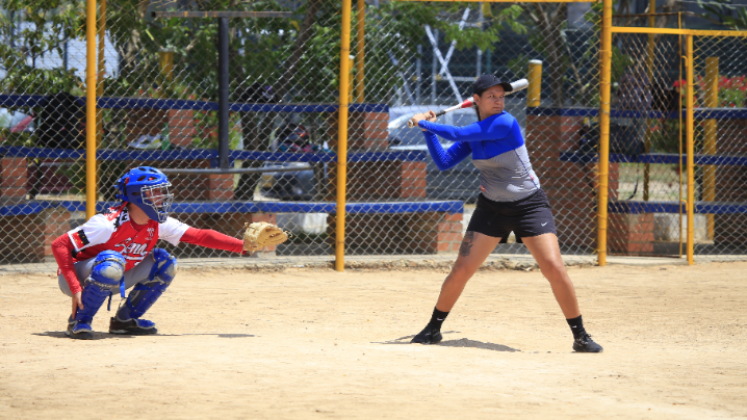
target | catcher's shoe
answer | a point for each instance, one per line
(132, 326)
(428, 336)
(585, 344)
(79, 330)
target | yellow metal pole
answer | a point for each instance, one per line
(709, 141)
(679, 136)
(351, 88)
(361, 51)
(166, 63)
(689, 119)
(100, 74)
(650, 73)
(535, 83)
(90, 108)
(604, 131)
(342, 137)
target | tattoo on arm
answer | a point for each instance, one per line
(467, 243)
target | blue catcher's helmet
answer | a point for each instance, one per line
(147, 188)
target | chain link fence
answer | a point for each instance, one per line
(648, 134)
(720, 140)
(159, 95)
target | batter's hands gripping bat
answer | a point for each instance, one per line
(518, 85)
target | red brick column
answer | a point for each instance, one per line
(569, 186)
(145, 122)
(55, 223)
(181, 127)
(180, 124)
(631, 234)
(413, 182)
(13, 178)
(28, 238)
(380, 180)
(190, 187)
(449, 228)
(399, 233)
(366, 131)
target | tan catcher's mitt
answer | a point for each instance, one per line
(261, 234)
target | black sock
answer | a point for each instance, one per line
(437, 319)
(577, 326)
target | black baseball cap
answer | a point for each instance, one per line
(487, 81)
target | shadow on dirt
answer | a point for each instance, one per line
(462, 342)
(103, 335)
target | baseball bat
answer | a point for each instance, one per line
(518, 85)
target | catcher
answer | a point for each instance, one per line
(115, 251)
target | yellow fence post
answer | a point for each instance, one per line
(100, 74)
(689, 119)
(166, 63)
(342, 137)
(535, 83)
(604, 132)
(709, 141)
(361, 51)
(90, 108)
(351, 80)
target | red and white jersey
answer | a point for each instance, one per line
(113, 230)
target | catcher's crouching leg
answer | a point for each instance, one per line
(143, 296)
(108, 270)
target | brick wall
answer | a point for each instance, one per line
(13, 179)
(366, 131)
(402, 233)
(631, 234)
(569, 186)
(384, 180)
(28, 238)
(380, 180)
(181, 127)
(180, 123)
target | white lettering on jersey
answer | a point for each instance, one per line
(132, 250)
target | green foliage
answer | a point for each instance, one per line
(733, 16)
(206, 124)
(47, 24)
(16, 139)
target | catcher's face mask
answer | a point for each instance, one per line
(159, 199)
(148, 189)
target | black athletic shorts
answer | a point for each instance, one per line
(530, 216)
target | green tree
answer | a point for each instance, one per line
(33, 29)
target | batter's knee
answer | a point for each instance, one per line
(460, 273)
(554, 269)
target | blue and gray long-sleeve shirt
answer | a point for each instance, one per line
(497, 149)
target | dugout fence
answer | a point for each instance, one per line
(313, 134)
(686, 107)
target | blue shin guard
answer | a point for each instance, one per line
(144, 295)
(106, 275)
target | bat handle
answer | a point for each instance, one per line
(438, 114)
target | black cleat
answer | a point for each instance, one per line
(428, 336)
(585, 344)
(79, 330)
(132, 326)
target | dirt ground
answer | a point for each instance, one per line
(314, 343)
